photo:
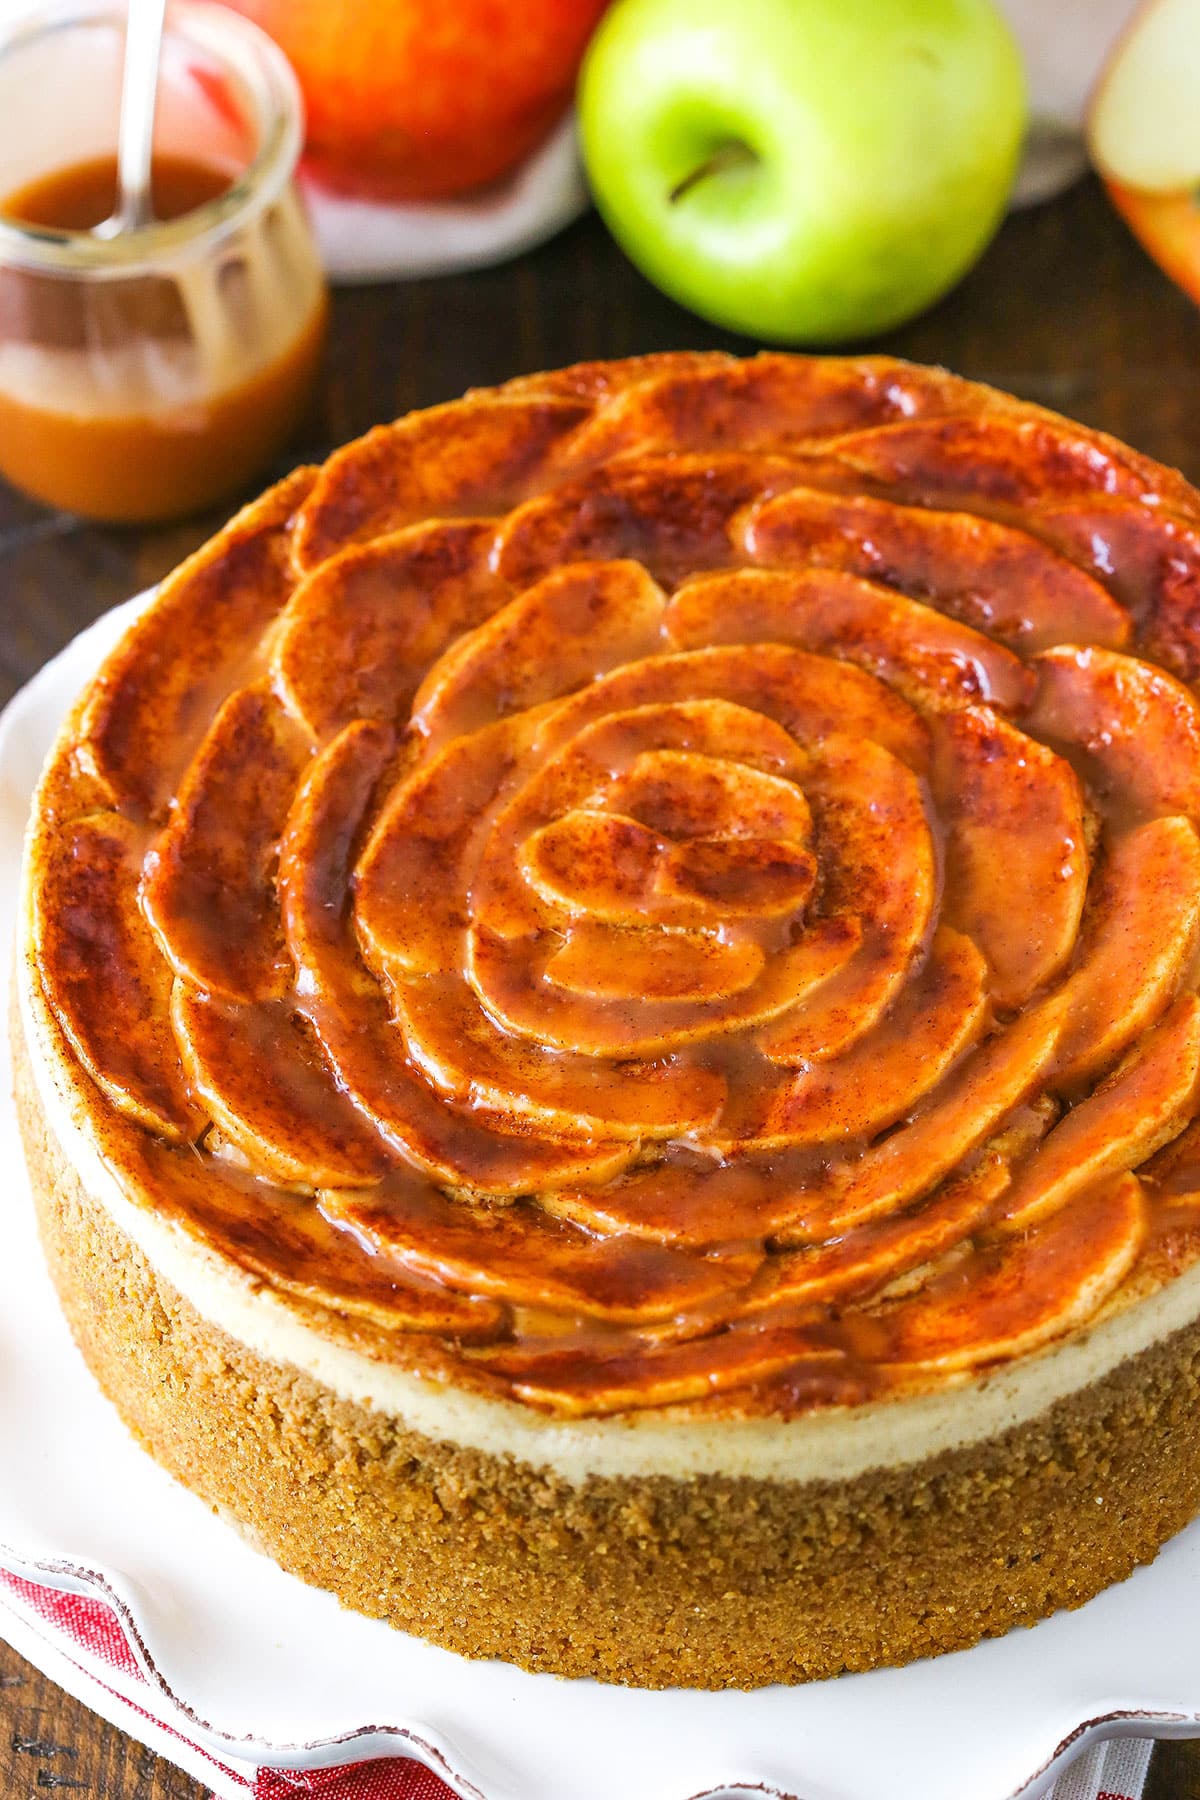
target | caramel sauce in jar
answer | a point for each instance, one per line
(83, 196)
(148, 375)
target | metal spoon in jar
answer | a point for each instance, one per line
(135, 138)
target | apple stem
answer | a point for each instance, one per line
(731, 155)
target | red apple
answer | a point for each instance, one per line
(420, 99)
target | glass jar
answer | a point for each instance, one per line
(152, 373)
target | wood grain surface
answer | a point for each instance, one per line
(1064, 309)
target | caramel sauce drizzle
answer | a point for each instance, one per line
(669, 883)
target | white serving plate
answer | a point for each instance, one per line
(253, 1664)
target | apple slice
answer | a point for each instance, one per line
(1143, 120)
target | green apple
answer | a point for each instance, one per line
(802, 170)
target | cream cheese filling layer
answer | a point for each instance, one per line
(831, 1445)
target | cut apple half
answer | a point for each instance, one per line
(1168, 227)
(1143, 119)
(1143, 133)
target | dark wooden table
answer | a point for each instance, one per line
(1064, 309)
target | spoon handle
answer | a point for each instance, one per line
(139, 96)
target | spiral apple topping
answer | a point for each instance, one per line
(669, 882)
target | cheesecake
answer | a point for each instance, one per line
(606, 1018)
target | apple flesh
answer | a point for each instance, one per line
(1143, 125)
(803, 171)
(424, 99)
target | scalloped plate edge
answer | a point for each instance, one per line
(370, 1742)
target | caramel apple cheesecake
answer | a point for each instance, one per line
(607, 1028)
